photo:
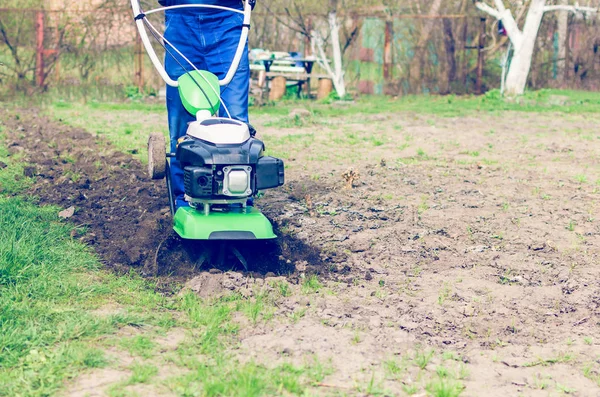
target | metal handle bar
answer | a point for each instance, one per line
(135, 5)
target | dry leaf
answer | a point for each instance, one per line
(350, 176)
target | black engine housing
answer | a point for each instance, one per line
(203, 164)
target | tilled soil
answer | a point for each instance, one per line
(494, 259)
(124, 214)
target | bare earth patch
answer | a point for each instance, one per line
(465, 245)
(95, 383)
(100, 382)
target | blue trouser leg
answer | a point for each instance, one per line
(221, 44)
(209, 40)
(178, 121)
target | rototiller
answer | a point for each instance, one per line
(224, 164)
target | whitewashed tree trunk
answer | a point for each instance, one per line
(318, 44)
(524, 41)
(516, 80)
(334, 27)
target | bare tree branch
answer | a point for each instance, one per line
(488, 10)
(11, 47)
(350, 39)
(301, 20)
(285, 23)
(503, 14)
(576, 8)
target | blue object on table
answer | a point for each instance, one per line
(297, 55)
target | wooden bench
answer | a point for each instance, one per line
(282, 75)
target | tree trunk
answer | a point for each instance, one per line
(516, 80)
(415, 65)
(563, 26)
(334, 28)
(464, 63)
(318, 46)
(450, 45)
(463, 31)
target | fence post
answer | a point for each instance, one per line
(308, 48)
(139, 63)
(567, 57)
(39, 48)
(480, 58)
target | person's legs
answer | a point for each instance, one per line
(221, 31)
(181, 33)
(209, 40)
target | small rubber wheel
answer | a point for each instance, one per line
(157, 158)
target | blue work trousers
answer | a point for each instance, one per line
(209, 39)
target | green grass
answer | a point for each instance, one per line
(418, 374)
(575, 102)
(444, 388)
(125, 125)
(226, 375)
(50, 284)
(260, 307)
(560, 358)
(139, 345)
(297, 314)
(422, 358)
(311, 284)
(449, 106)
(292, 139)
(393, 369)
(142, 373)
(11, 171)
(249, 379)
(282, 287)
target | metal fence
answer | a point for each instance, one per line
(96, 53)
(385, 49)
(463, 53)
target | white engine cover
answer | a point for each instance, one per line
(219, 131)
